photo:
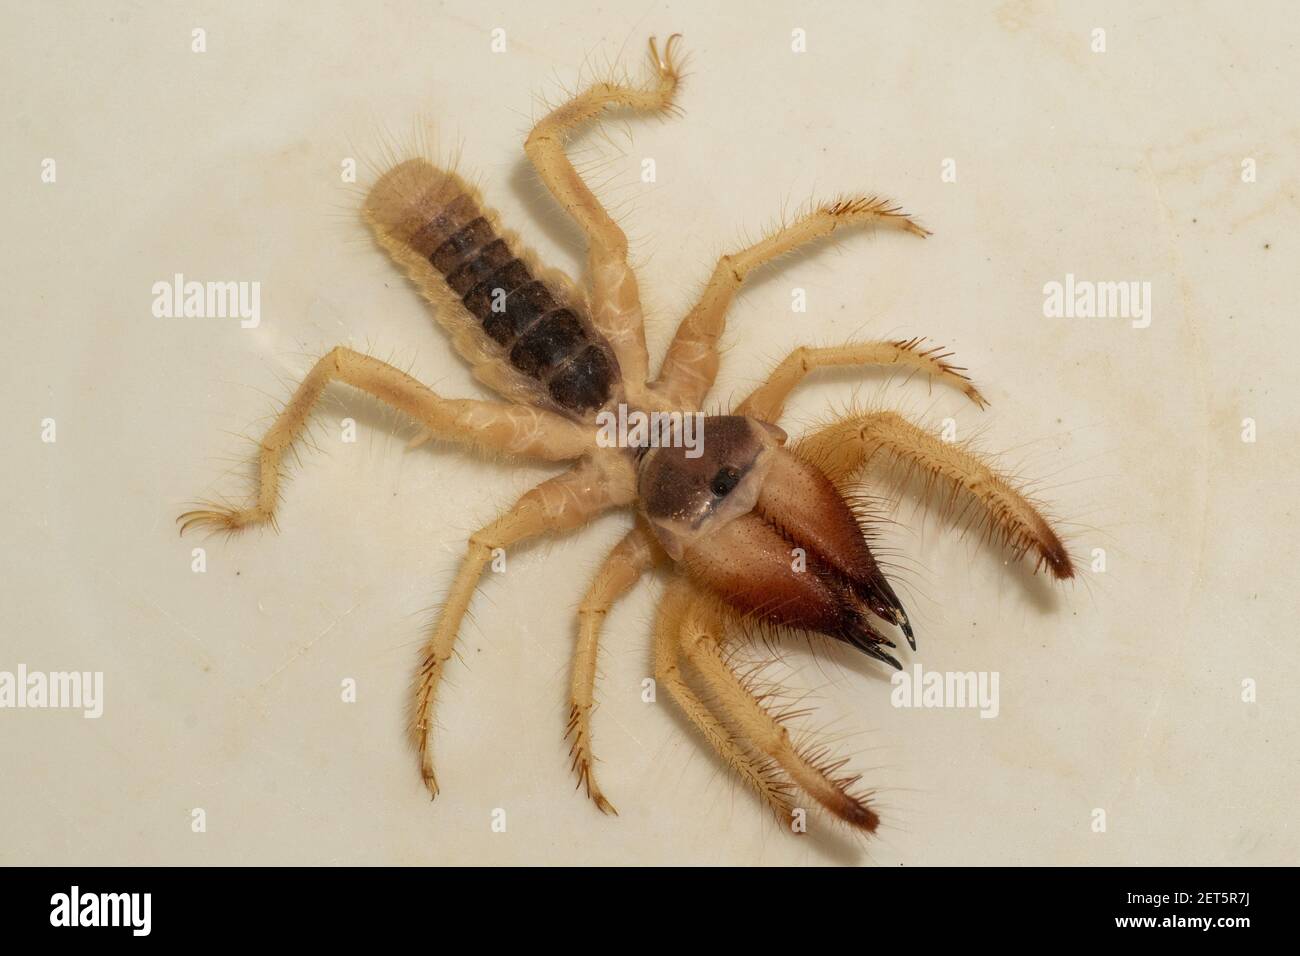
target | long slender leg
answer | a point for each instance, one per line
(767, 402)
(616, 301)
(692, 361)
(847, 446)
(762, 775)
(622, 568)
(701, 632)
(492, 426)
(564, 502)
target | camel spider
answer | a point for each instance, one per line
(726, 521)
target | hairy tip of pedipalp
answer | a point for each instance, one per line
(859, 814)
(1058, 562)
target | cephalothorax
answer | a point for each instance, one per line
(752, 529)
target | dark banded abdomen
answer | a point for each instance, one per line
(540, 335)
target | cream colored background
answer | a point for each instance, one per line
(1121, 693)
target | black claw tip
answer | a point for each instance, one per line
(907, 632)
(880, 655)
(869, 641)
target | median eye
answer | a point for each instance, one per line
(724, 481)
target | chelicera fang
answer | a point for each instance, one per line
(725, 522)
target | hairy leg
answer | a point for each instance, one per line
(567, 501)
(615, 299)
(622, 568)
(692, 361)
(760, 774)
(700, 636)
(845, 447)
(767, 402)
(492, 426)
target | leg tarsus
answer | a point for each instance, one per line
(583, 761)
(767, 401)
(621, 569)
(667, 68)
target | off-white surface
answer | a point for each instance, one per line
(1122, 692)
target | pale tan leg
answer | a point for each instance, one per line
(491, 426)
(615, 299)
(762, 775)
(701, 633)
(767, 402)
(622, 568)
(843, 448)
(692, 361)
(564, 502)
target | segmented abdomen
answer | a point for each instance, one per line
(437, 218)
